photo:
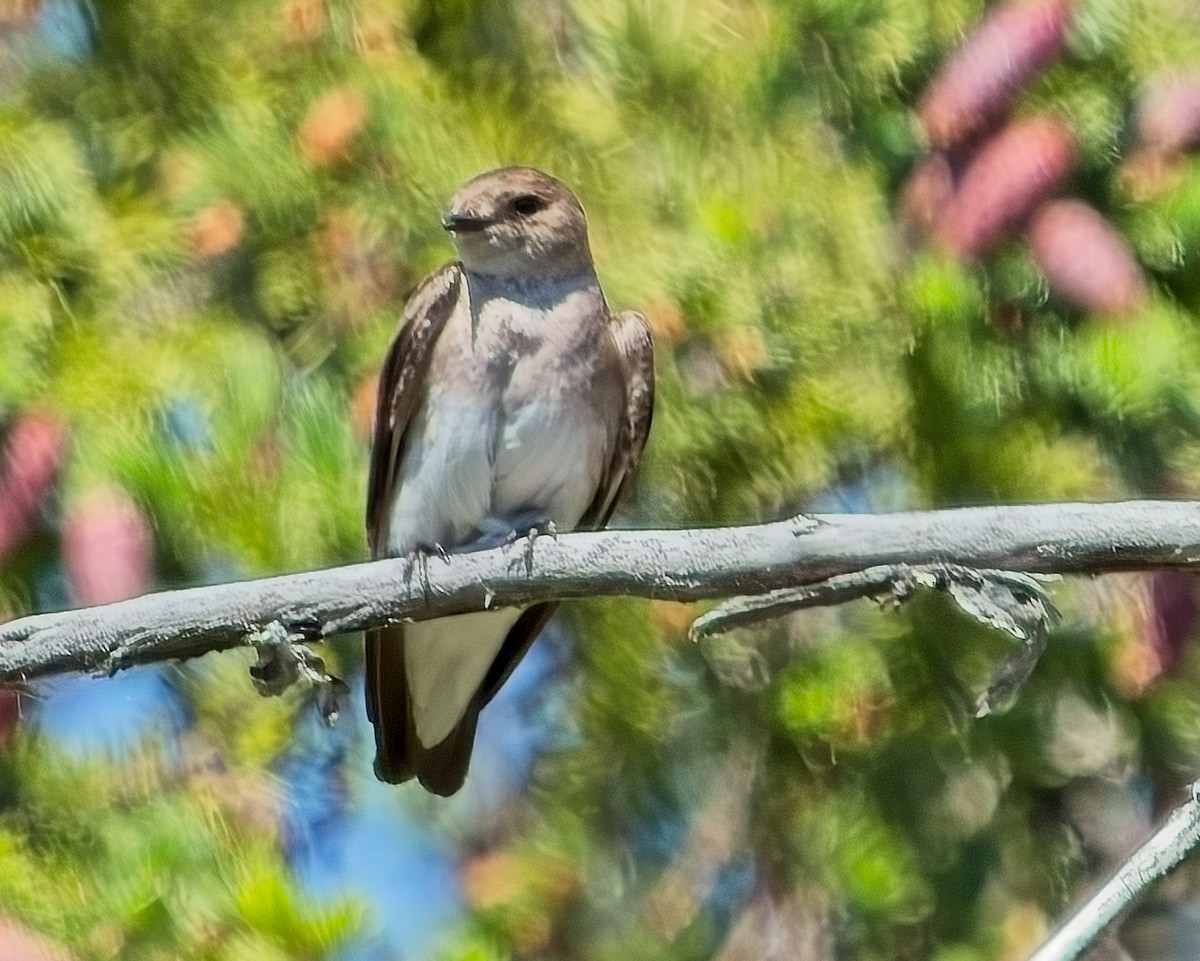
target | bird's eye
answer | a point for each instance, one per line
(527, 204)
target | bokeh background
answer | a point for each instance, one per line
(896, 253)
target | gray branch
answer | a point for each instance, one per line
(899, 581)
(1166, 848)
(744, 611)
(683, 565)
(1006, 600)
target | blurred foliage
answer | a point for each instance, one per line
(210, 215)
(152, 861)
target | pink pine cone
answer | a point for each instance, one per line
(1085, 260)
(925, 194)
(1172, 611)
(18, 941)
(1013, 172)
(33, 455)
(980, 81)
(1168, 119)
(107, 548)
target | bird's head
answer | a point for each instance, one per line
(518, 222)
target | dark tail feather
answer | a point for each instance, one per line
(387, 704)
(399, 755)
(442, 769)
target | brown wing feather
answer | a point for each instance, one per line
(399, 755)
(636, 347)
(401, 389)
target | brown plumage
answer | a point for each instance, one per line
(511, 398)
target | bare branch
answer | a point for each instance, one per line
(1012, 602)
(744, 611)
(1166, 848)
(678, 565)
(896, 580)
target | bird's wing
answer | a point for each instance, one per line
(401, 389)
(635, 345)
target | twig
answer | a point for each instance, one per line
(1166, 848)
(899, 581)
(744, 611)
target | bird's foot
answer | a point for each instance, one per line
(506, 531)
(426, 549)
(419, 569)
(491, 534)
(546, 527)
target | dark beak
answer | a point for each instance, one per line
(465, 222)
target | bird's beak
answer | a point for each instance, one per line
(465, 222)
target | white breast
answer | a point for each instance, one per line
(445, 476)
(510, 425)
(550, 457)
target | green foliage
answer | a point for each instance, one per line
(146, 859)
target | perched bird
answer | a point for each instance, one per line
(511, 401)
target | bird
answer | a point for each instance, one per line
(512, 402)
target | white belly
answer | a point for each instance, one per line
(445, 478)
(549, 459)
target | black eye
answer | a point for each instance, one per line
(527, 204)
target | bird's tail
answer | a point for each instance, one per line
(399, 754)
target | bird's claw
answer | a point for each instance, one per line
(538, 529)
(530, 540)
